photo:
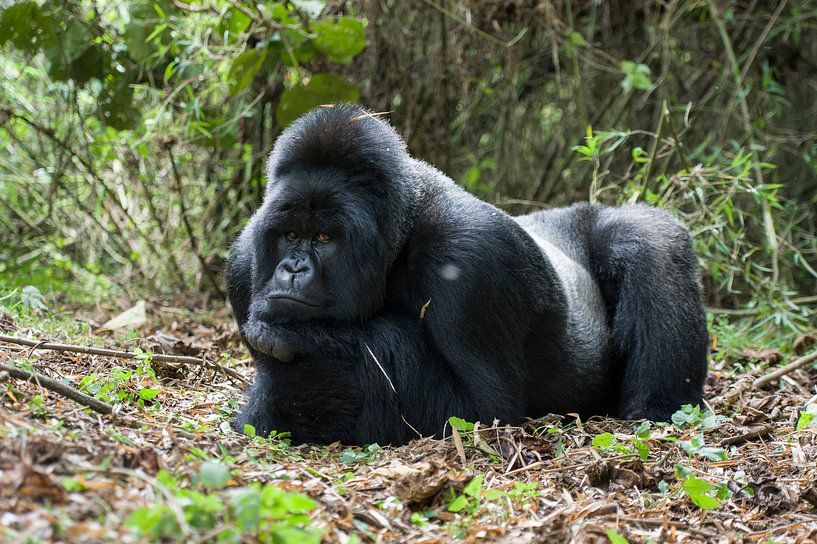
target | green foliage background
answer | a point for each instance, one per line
(134, 132)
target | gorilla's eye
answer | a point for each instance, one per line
(291, 236)
(322, 237)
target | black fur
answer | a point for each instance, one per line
(584, 309)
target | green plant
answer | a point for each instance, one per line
(702, 493)
(636, 76)
(125, 385)
(696, 446)
(472, 496)
(693, 416)
(524, 492)
(616, 538)
(608, 444)
(808, 417)
(265, 511)
(366, 454)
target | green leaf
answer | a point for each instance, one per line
(698, 491)
(32, 299)
(249, 430)
(246, 506)
(474, 487)
(698, 486)
(643, 430)
(575, 38)
(460, 424)
(713, 454)
(616, 538)
(294, 535)
(494, 494)
(244, 69)
(26, 27)
(470, 179)
(297, 503)
(115, 102)
(458, 504)
(687, 415)
(604, 441)
(705, 502)
(154, 521)
(213, 475)
(350, 455)
(147, 394)
(166, 479)
(341, 40)
(807, 416)
(322, 88)
(642, 448)
(235, 21)
(636, 76)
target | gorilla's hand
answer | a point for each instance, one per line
(285, 341)
(273, 340)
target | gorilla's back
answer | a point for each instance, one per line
(563, 235)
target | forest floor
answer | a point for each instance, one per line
(167, 466)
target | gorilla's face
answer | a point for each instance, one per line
(318, 251)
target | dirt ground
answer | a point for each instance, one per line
(68, 474)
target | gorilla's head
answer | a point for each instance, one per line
(335, 215)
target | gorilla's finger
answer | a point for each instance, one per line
(282, 354)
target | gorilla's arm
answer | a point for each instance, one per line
(378, 381)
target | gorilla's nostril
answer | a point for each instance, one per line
(298, 267)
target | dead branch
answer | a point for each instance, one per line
(782, 371)
(744, 385)
(185, 359)
(750, 434)
(58, 387)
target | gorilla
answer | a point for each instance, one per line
(378, 298)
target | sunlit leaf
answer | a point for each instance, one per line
(244, 69)
(341, 40)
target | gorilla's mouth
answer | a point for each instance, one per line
(292, 298)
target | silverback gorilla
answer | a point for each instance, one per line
(378, 298)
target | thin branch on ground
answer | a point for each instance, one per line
(745, 384)
(58, 387)
(752, 433)
(782, 371)
(184, 359)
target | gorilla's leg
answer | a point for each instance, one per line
(645, 263)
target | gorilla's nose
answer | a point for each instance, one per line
(292, 271)
(296, 267)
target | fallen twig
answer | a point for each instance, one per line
(744, 386)
(185, 359)
(59, 387)
(782, 371)
(750, 434)
(662, 522)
